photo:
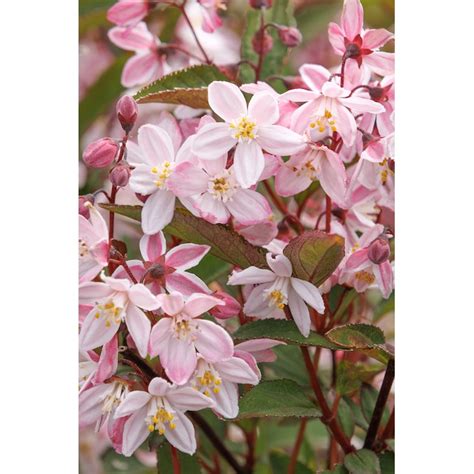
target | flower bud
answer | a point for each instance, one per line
(231, 308)
(289, 36)
(83, 207)
(379, 251)
(100, 153)
(257, 4)
(128, 12)
(262, 45)
(119, 175)
(127, 112)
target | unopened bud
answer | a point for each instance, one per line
(289, 35)
(230, 309)
(84, 209)
(379, 251)
(257, 4)
(262, 42)
(100, 153)
(119, 175)
(127, 112)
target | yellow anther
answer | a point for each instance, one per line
(216, 390)
(366, 277)
(206, 392)
(244, 129)
(161, 431)
(151, 428)
(217, 382)
(327, 114)
(312, 125)
(107, 324)
(97, 315)
(172, 426)
(154, 170)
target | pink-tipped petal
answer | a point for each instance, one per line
(314, 76)
(141, 69)
(213, 342)
(186, 256)
(188, 180)
(155, 144)
(213, 140)
(249, 207)
(185, 283)
(152, 247)
(352, 18)
(158, 211)
(248, 163)
(384, 276)
(280, 140)
(263, 108)
(226, 100)
(374, 39)
(251, 276)
(300, 312)
(159, 387)
(133, 402)
(179, 360)
(309, 293)
(132, 39)
(186, 398)
(183, 436)
(135, 432)
(139, 327)
(159, 335)
(280, 265)
(172, 304)
(108, 361)
(237, 370)
(198, 304)
(95, 332)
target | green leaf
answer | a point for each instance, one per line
(315, 255)
(280, 330)
(368, 399)
(280, 398)
(363, 461)
(225, 243)
(338, 469)
(101, 95)
(384, 307)
(246, 73)
(387, 462)
(187, 463)
(357, 336)
(347, 299)
(186, 87)
(211, 268)
(86, 6)
(280, 462)
(345, 418)
(113, 463)
(350, 376)
(288, 365)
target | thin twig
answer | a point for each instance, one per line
(193, 31)
(297, 446)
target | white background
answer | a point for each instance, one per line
(435, 132)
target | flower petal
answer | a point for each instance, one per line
(185, 283)
(198, 304)
(213, 342)
(155, 143)
(237, 370)
(133, 402)
(280, 140)
(132, 39)
(159, 387)
(172, 304)
(187, 180)
(186, 256)
(249, 207)
(135, 432)
(280, 265)
(183, 436)
(352, 18)
(300, 312)
(314, 76)
(248, 163)
(263, 109)
(139, 327)
(251, 276)
(158, 211)
(141, 296)
(152, 247)
(226, 100)
(213, 140)
(95, 332)
(186, 398)
(309, 293)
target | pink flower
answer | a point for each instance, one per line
(258, 234)
(93, 244)
(161, 409)
(168, 270)
(210, 19)
(147, 64)
(98, 403)
(219, 380)
(251, 129)
(275, 289)
(326, 109)
(362, 270)
(259, 349)
(128, 12)
(176, 338)
(316, 162)
(115, 300)
(351, 41)
(154, 164)
(216, 194)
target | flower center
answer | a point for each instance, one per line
(83, 249)
(244, 129)
(222, 187)
(161, 417)
(117, 394)
(365, 277)
(277, 294)
(321, 123)
(207, 378)
(109, 312)
(385, 172)
(162, 172)
(184, 329)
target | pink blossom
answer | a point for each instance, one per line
(258, 234)
(219, 380)
(251, 129)
(177, 337)
(327, 106)
(276, 288)
(147, 64)
(161, 409)
(154, 162)
(215, 193)
(210, 19)
(316, 162)
(351, 41)
(128, 12)
(259, 349)
(115, 300)
(93, 244)
(168, 270)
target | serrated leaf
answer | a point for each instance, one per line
(357, 336)
(225, 243)
(345, 418)
(315, 255)
(363, 461)
(280, 462)
(280, 398)
(281, 330)
(338, 469)
(101, 95)
(350, 376)
(185, 87)
(288, 365)
(187, 463)
(387, 462)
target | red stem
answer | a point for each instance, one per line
(261, 32)
(297, 446)
(188, 21)
(328, 214)
(175, 460)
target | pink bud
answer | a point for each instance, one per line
(100, 153)
(231, 308)
(128, 12)
(379, 251)
(289, 36)
(83, 208)
(257, 4)
(127, 112)
(119, 175)
(262, 46)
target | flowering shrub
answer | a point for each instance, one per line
(236, 246)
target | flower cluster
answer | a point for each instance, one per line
(155, 340)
